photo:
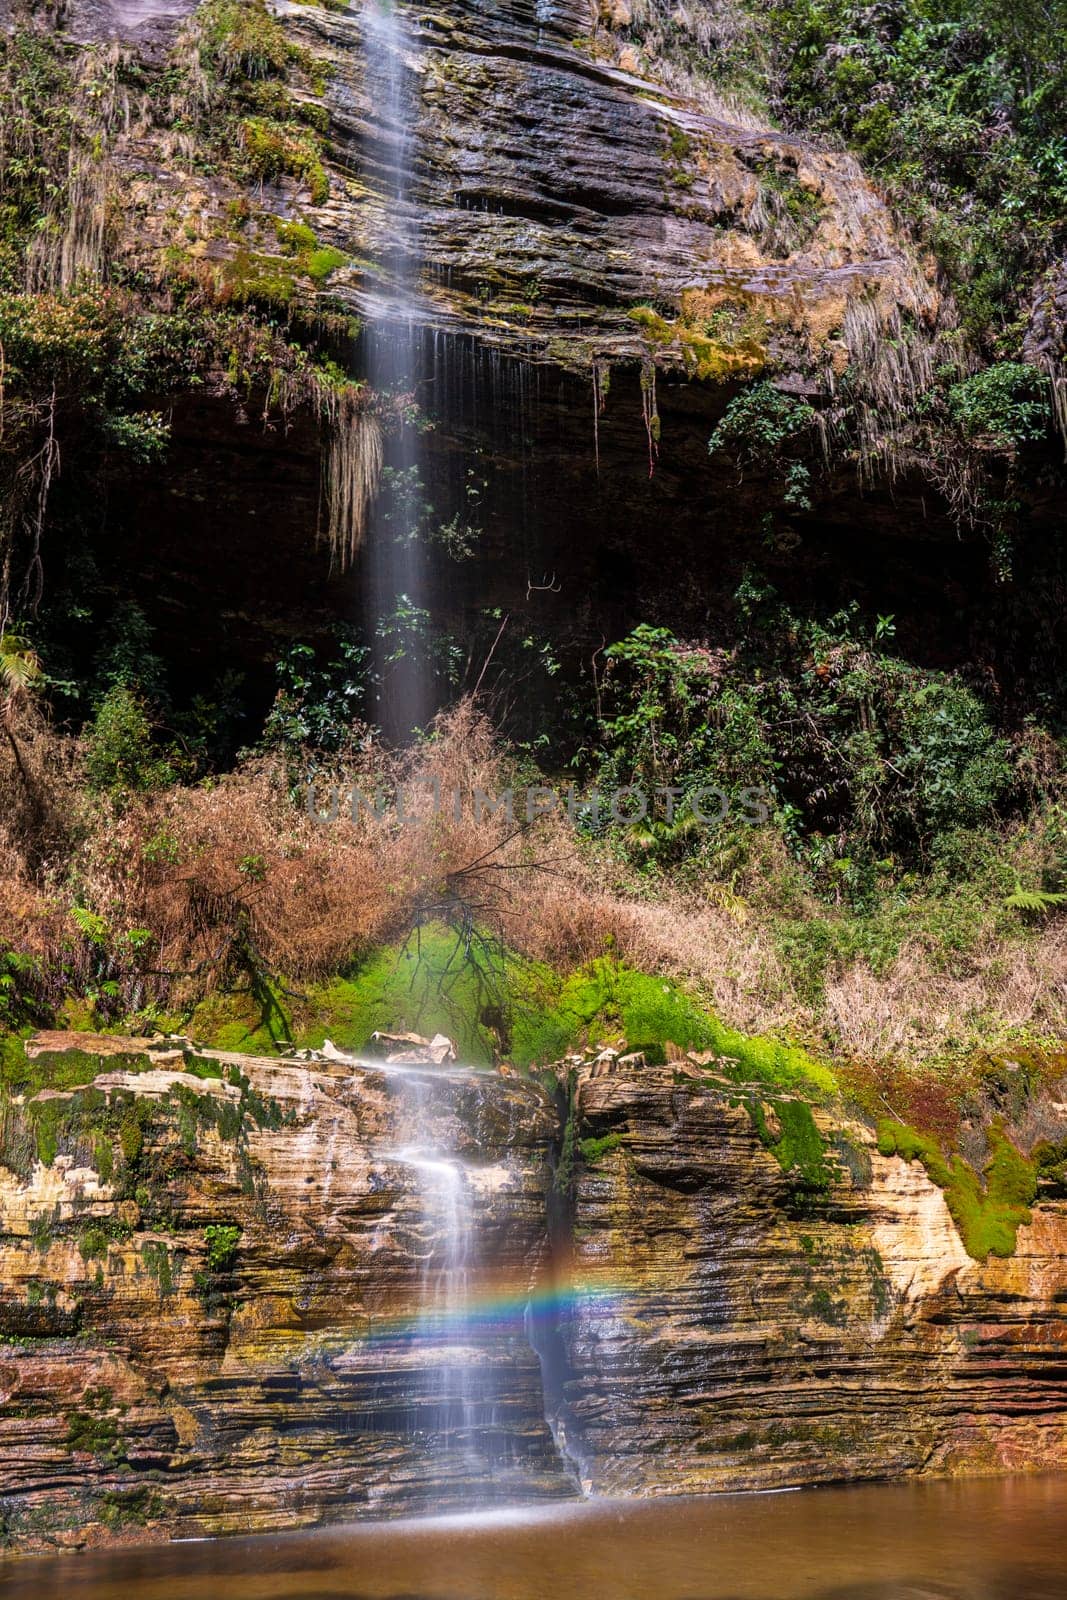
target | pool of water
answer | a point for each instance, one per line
(996, 1540)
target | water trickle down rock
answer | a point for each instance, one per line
(269, 1313)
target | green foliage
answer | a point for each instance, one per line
(604, 1144)
(607, 1000)
(159, 1264)
(325, 261)
(69, 1069)
(242, 39)
(865, 758)
(95, 1433)
(757, 429)
(988, 1216)
(316, 706)
(142, 435)
(222, 1240)
(22, 998)
(1002, 406)
(1051, 1162)
(120, 757)
(1032, 900)
(668, 724)
(93, 1244)
(273, 150)
(959, 109)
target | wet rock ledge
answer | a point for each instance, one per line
(209, 1266)
(766, 1308)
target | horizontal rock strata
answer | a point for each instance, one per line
(160, 1371)
(741, 1329)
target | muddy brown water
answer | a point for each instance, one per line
(992, 1540)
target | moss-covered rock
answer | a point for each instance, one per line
(988, 1214)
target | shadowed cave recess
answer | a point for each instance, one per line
(566, 531)
(586, 287)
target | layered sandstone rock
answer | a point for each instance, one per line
(161, 1371)
(744, 1328)
(564, 207)
(212, 1266)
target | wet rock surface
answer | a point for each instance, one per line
(743, 1329)
(228, 1287)
(556, 193)
(223, 1334)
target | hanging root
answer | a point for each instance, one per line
(650, 412)
(353, 468)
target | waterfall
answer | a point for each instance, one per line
(445, 1316)
(397, 597)
(444, 1381)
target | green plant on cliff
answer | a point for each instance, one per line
(959, 109)
(760, 429)
(795, 1143)
(254, 124)
(242, 39)
(1002, 406)
(159, 1263)
(222, 1239)
(988, 1215)
(600, 1145)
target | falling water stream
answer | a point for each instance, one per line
(397, 598)
(444, 1321)
(454, 1374)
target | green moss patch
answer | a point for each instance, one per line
(608, 1000)
(492, 1003)
(797, 1145)
(593, 1149)
(987, 1215)
(66, 1069)
(708, 348)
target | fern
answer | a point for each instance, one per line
(1022, 899)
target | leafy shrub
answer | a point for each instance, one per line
(864, 756)
(120, 757)
(142, 435)
(221, 1239)
(756, 429)
(1002, 406)
(316, 707)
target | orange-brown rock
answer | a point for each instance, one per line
(744, 1330)
(209, 1293)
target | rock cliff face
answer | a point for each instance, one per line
(749, 1330)
(210, 1267)
(556, 193)
(209, 1298)
(571, 226)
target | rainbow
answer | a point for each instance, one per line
(504, 1306)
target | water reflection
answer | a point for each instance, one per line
(999, 1540)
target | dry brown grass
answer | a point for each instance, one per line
(917, 1006)
(204, 886)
